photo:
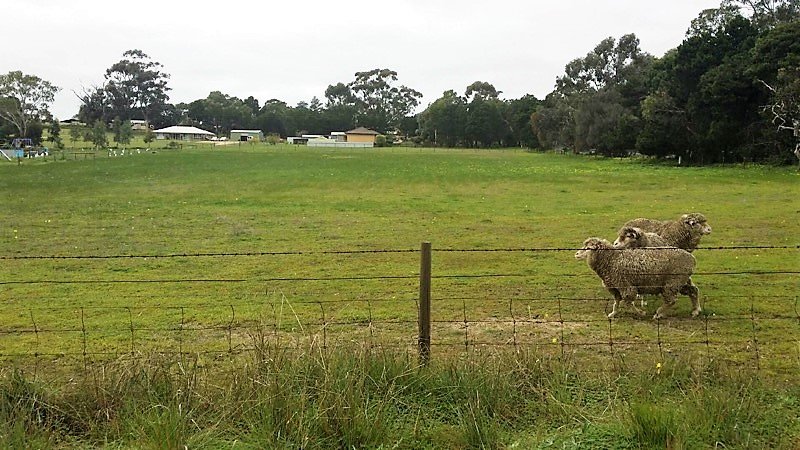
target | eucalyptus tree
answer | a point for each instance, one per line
(136, 86)
(444, 122)
(24, 100)
(382, 104)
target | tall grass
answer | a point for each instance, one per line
(278, 198)
(366, 398)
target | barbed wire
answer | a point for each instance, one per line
(407, 300)
(757, 330)
(368, 321)
(364, 252)
(369, 277)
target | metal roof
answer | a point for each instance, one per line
(183, 130)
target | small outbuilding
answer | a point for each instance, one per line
(183, 133)
(361, 135)
(247, 135)
(138, 125)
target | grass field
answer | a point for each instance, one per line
(322, 244)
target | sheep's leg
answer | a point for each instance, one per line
(613, 310)
(669, 300)
(693, 292)
(617, 298)
(630, 295)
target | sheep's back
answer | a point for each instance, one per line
(649, 225)
(651, 239)
(674, 233)
(647, 269)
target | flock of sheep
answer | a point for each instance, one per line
(649, 257)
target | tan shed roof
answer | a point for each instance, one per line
(362, 130)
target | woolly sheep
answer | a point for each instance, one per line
(632, 237)
(684, 233)
(628, 272)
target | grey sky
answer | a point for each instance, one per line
(292, 50)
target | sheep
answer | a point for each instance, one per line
(628, 272)
(632, 237)
(684, 233)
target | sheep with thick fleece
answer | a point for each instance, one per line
(628, 272)
(684, 233)
(632, 237)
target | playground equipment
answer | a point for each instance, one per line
(23, 148)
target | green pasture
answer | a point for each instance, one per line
(302, 205)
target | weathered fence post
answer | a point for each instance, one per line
(424, 318)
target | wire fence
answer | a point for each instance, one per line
(49, 322)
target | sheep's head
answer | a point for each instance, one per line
(590, 245)
(628, 237)
(697, 223)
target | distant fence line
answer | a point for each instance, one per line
(237, 333)
(238, 337)
(364, 251)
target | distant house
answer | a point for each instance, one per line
(338, 136)
(361, 135)
(247, 135)
(72, 121)
(183, 133)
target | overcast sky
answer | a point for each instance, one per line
(292, 50)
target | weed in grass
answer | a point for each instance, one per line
(654, 426)
(27, 419)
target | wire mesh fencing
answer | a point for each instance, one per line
(85, 315)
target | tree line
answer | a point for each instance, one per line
(730, 92)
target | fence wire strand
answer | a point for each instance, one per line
(203, 325)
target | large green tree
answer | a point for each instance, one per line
(596, 103)
(381, 103)
(485, 125)
(24, 100)
(703, 97)
(274, 118)
(776, 67)
(518, 119)
(554, 122)
(221, 113)
(444, 122)
(135, 88)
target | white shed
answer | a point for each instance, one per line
(247, 135)
(183, 133)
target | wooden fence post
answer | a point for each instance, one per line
(424, 318)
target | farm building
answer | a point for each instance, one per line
(321, 141)
(139, 124)
(182, 133)
(361, 135)
(72, 121)
(302, 140)
(247, 135)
